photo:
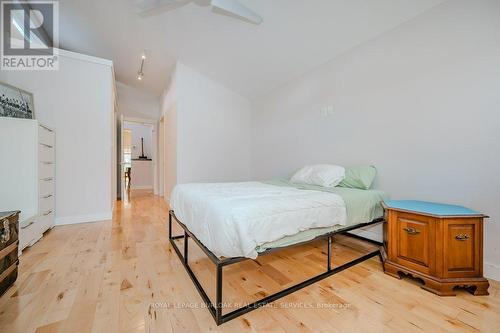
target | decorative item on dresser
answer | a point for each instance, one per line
(438, 243)
(9, 241)
(27, 176)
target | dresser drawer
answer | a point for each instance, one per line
(46, 135)
(46, 204)
(29, 233)
(46, 170)
(46, 187)
(46, 220)
(46, 153)
(415, 244)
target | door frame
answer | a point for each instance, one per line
(154, 150)
(120, 178)
(161, 156)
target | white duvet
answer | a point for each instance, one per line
(232, 219)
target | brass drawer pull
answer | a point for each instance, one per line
(46, 145)
(411, 231)
(47, 179)
(47, 213)
(47, 196)
(462, 237)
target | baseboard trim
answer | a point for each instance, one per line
(84, 218)
(491, 271)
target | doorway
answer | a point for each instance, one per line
(137, 171)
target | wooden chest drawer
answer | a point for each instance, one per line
(461, 245)
(415, 242)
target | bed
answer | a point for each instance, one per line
(232, 222)
(361, 206)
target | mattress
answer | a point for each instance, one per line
(243, 219)
(233, 219)
(361, 206)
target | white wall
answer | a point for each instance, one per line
(77, 100)
(133, 103)
(169, 112)
(213, 130)
(421, 102)
(207, 131)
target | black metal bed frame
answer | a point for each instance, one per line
(216, 309)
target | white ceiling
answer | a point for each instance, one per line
(296, 36)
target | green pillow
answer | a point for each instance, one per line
(361, 177)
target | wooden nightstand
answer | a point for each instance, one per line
(440, 244)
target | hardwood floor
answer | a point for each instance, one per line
(122, 276)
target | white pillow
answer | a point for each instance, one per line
(325, 175)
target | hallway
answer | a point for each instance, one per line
(122, 276)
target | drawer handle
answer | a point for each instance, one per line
(411, 231)
(462, 237)
(28, 225)
(48, 179)
(47, 213)
(5, 236)
(45, 128)
(48, 162)
(46, 145)
(47, 196)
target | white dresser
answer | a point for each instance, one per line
(27, 176)
(46, 177)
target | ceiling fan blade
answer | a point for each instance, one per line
(154, 7)
(235, 8)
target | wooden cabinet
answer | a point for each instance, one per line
(9, 241)
(440, 244)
